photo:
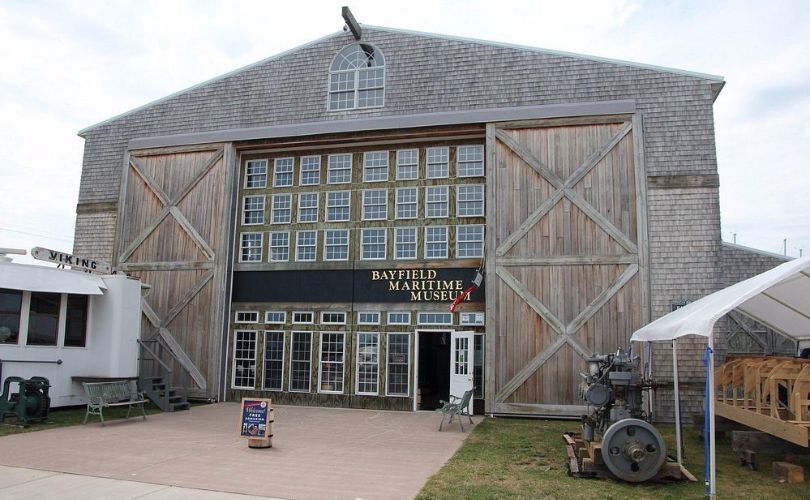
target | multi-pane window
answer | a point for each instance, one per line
(305, 246)
(339, 169)
(436, 242)
(75, 321)
(399, 318)
(338, 206)
(275, 317)
(470, 161)
(310, 171)
(273, 360)
(255, 174)
(283, 172)
(470, 200)
(244, 359)
(407, 164)
(437, 163)
(434, 318)
(405, 242)
(333, 318)
(368, 352)
(372, 243)
(375, 166)
(471, 319)
(436, 201)
(247, 317)
(250, 247)
(357, 78)
(470, 241)
(300, 361)
(336, 244)
(279, 250)
(398, 364)
(331, 372)
(303, 317)
(308, 207)
(375, 204)
(253, 210)
(407, 200)
(368, 318)
(281, 210)
(43, 318)
(10, 309)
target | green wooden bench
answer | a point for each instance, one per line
(102, 395)
(456, 407)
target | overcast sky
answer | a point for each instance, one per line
(70, 64)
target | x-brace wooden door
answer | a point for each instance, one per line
(173, 234)
(566, 256)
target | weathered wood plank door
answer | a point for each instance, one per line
(174, 217)
(566, 256)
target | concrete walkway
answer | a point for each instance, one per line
(317, 453)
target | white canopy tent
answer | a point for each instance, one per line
(779, 299)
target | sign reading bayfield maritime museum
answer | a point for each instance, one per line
(361, 285)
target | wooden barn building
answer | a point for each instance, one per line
(305, 222)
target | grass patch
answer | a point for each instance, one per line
(526, 458)
(64, 417)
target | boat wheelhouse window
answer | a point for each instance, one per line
(76, 321)
(10, 307)
(43, 319)
(357, 78)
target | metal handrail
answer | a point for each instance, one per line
(57, 362)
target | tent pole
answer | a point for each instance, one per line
(677, 401)
(711, 417)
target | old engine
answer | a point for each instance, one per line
(30, 404)
(632, 449)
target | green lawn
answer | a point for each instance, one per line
(62, 417)
(526, 458)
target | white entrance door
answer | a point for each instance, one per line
(461, 364)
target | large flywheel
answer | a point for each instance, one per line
(633, 450)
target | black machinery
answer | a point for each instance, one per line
(631, 448)
(29, 404)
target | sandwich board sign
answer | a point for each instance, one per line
(75, 261)
(257, 422)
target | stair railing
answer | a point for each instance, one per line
(154, 363)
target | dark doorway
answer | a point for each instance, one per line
(434, 369)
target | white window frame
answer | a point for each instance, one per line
(409, 165)
(326, 244)
(242, 246)
(268, 321)
(373, 172)
(407, 392)
(339, 322)
(399, 203)
(264, 359)
(476, 318)
(296, 321)
(353, 80)
(248, 174)
(275, 210)
(397, 242)
(292, 345)
(361, 321)
(464, 212)
(363, 243)
(466, 163)
(426, 318)
(459, 241)
(287, 161)
(260, 210)
(367, 205)
(301, 207)
(357, 364)
(330, 169)
(430, 193)
(428, 242)
(298, 245)
(271, 246)
(347, 205)
(390, 322)
(236, 341)
(444, 173)
(342, 364)
(246, 317)
(302, 170)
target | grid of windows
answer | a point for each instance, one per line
(470, 161)
(336, 244)
(470, 241)
(283, 172)
(357, 78)
(310, 171)
(436, 201)
(300, 361)
(398, 363)
(255, 174)
(332, 348)
(273, 360)
(303, 317)
(338, 206)
(438, 163)
(373, 243)
(281, 210)
(375, 204)
(368, 318)
(10, 311)
(470, 200)
(279, 250)
(333, 318)
(407, 200)
(253, 210)
(247, 317)
(43, 318)
(244, 359)
(275, 317)
(305, 246)
(399, 318)
(308, 207)
(436, 242)
(250, 247)
(405, 242)
(375, 166)
(368, 347)
(407, 164)
(339, 169)
(434, 318)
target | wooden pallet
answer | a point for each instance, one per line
(585, 460)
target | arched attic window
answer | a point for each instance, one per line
(357, 78)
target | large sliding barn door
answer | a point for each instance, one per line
(174, 215)
(566, 256)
